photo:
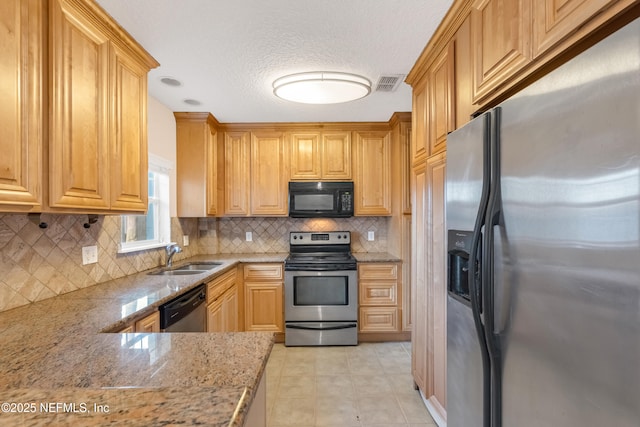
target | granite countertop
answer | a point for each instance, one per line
(375, 257)
(54, 357)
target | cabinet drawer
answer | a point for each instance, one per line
(217, 286)
(378, 271)
(261, 272)
(378, 293)
(378, 319)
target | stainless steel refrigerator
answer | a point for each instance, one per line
(543, 229)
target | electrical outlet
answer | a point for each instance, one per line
(89, 255)
(248, 236)
(371, 236)
(185, 240)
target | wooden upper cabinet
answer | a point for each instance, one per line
(22, 111)
(320, 156)
(269, 174)
(128, 132)
(372, 183)
(336, 156)
(98, 97)
(198, 169)
(236, 173)
(305, 156)
(442, 100)
(501, 36)
(463, 74)
(420, 122)
(553, 20)
(79, 138)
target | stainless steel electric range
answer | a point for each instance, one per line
(320, 290)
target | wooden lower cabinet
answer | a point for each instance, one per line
(149, 324)
(222, 303)
(263, 292)
(380, 298)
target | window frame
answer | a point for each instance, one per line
(161, 168)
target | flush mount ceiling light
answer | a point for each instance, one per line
(321, 87)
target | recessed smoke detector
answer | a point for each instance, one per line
(170, 81)
(193, 102)
(389, 82)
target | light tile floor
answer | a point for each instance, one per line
(368, 385)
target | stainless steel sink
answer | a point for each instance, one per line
(187, 269)
(176, 272)
(198, 266)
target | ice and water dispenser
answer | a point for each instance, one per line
(459, 246)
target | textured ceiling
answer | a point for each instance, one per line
(228, 53)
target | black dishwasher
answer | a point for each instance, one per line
(186, 313)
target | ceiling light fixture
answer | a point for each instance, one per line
(321, 87)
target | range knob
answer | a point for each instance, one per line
(295, 237)
(345, 236)
(339, 236)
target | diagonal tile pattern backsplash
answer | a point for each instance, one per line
(38, 263)
(272, 234)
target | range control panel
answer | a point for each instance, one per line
(320, 238)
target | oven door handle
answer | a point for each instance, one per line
(323, 328)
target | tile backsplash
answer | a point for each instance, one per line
(38, 263)
(227, 235)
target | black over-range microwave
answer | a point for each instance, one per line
(320, 199)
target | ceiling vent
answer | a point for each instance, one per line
(389, 83)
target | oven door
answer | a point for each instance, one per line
(321, 296)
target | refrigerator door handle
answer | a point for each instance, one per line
(476, 271)
(493, 218)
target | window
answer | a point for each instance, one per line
(153, 230)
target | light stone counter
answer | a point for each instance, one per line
(53, 356)
(375, 257)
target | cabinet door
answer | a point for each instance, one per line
(79, 94)
(463, 71)
(419, 297)
(236, 173)
(22, 109)
(128, 132)
(336, 156)
(442, 100)
(420, 118)
(269, 174)
(501, 33)
(436, 284)
(372, 184)
(149, 324)
(215, 316)
(555, 19)
(264, 306)
(230, 309)
(305, 156)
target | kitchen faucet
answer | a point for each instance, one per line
(171, 250)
